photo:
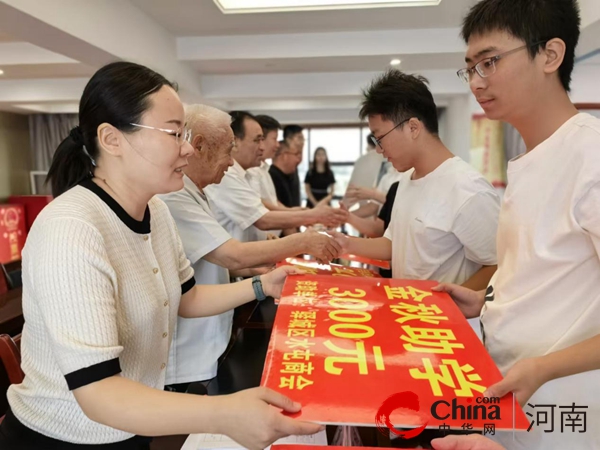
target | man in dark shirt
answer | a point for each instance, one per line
(375, 228)
(385, 214)
(283, 173)
(293, 135)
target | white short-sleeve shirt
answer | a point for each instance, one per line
(443, 225)
(260, 180)
(235, 204)
(547, 289)
(198, 343)
(101, 293)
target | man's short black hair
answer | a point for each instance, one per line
(397, 96)
(532, 21)
(268, 124)
(237, 122)
(291, 130)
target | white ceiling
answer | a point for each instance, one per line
(203, 18)
(592, 60)
(300, 66)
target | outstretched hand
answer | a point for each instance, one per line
(259, 421)
(273, 281)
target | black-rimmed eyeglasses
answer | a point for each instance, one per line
(377, 141)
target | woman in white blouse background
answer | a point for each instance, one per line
(104, 278)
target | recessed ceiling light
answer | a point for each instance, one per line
(264, 6)
(1, 72)
(395, 62)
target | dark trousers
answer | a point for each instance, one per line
(16, 436)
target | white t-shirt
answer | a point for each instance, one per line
(443, 225)
(101, 293)
(236, 205)
(198, 343)
(547, 288)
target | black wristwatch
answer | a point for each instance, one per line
(258, 288)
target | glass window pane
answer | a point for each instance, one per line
(342, 178)
(363, 141)
(342, 144)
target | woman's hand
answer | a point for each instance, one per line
(253, 418)
(272, 282)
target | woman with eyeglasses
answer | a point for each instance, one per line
(104, 278)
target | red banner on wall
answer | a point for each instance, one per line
(349, 349)
(33, 205)
(12, 232)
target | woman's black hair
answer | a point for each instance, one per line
(117, 94)
(313, 164)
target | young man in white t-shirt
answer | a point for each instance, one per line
(445, 215)
(541, 323)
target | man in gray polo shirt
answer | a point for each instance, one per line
(198, 343)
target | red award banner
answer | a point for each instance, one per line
(355, 351)
(336, 270)
(365, 260)
(12, 232)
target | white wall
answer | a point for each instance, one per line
(457, 125)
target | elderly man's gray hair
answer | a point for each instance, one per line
(212, 123)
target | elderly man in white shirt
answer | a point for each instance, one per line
(198, 343)
(239, 208)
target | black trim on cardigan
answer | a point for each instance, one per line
(136, 226)
(91, 374)
(188, 285)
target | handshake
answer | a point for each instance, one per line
(328, 216)
(324, 246)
